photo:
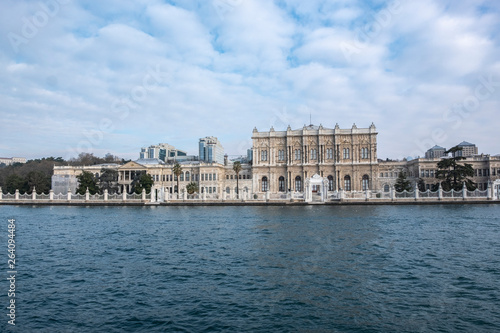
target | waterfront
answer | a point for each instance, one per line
(256, 269)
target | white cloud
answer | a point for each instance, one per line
(262, 63)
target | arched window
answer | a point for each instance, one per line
(264, 184)
(182, 177)
(386, 188)
(187, 176)
(298, 184)
(228, 190)
(330, 183)
(347, 183)
(365, 183)
(281, 184)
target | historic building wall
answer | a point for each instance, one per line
(283, 160)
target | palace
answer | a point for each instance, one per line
(307, 163)
(284, 160)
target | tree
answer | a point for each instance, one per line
(87, 180)
(237, 169)
(39, 180)
(192, 187)
(452, 174)
(108, 180)
(177, 170)
(421, 185)
(402, 184)
(15, 182)
(142, 181)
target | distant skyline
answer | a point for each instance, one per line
(115, 76)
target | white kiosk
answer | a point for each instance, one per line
(316, 188)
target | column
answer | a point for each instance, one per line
(1, 193)
(416, 191)
(51, 194)
(124, 195)
(17, 195)
(440, 192)
(106, 195)
(143, 194)
(33, 194)
(464, 192)
(69, 194)
(87, 195)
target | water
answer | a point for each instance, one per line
(255, 269)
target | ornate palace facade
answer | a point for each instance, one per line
(284, 160)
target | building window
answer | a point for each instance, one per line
(227, 177)
(298, 184)
(346, 153)
(297, 155)
(314, 154)
(187, 176)
(182, 177)
(281, 184)
(263, 155)
(330, 183)
(264, 184)
(329, 153)
(365, 183)
(347, 183)
(210, 177)
(228, 190)
(281, 155)
(386, 188)
(364, 153)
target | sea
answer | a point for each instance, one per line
(415, 268)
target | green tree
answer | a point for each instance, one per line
(87, 180)
(402, 184)
(108, 180)
(177, 171)
(39, 180)
(237, 169)
(452, 174)
(142, 181)
(192, 187)
(15, 182)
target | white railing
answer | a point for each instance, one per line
(331, 196)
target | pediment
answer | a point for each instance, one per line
(132, 166)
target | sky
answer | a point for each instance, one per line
(114, 76)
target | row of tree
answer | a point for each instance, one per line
(38, 172)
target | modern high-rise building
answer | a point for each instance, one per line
(161, 151)
(435, 152)
(468, 149)
(211, 150)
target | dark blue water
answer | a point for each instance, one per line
(254, 269)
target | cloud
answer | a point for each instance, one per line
(256, 63)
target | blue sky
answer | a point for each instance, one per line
(118, 75)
